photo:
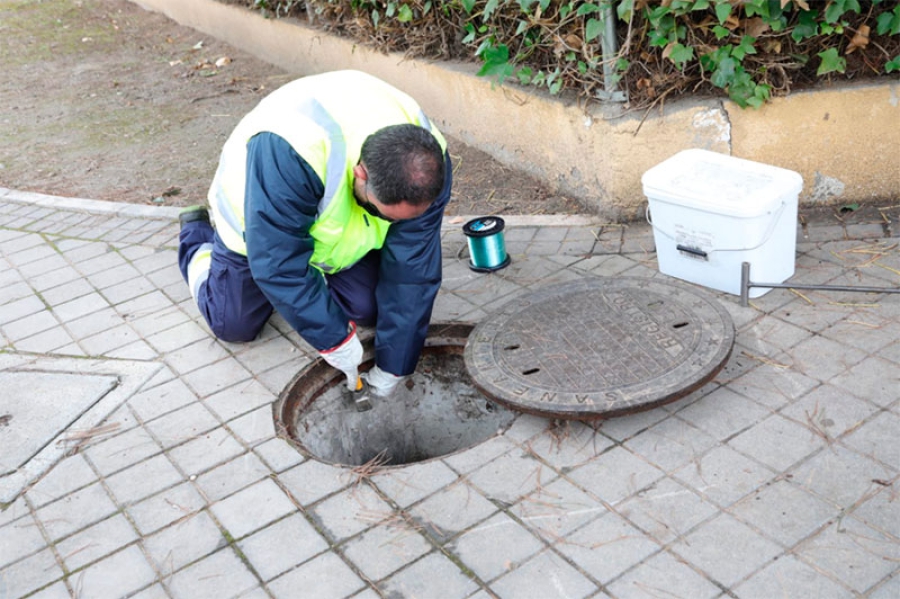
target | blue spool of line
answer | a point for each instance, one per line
(487, 252)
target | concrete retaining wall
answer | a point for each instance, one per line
(844, 141)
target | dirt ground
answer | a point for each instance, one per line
(102, 99)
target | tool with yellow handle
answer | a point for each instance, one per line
(361, 396)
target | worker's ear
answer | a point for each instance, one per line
(359, 172)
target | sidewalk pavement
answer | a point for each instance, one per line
(778, 479)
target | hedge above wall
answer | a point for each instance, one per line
(749, 50)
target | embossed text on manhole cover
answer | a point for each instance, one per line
(598, 348)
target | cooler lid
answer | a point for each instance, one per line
(720, 183)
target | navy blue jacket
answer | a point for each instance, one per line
(280, 203)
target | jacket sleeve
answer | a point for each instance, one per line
(280, 203)
(408, 282)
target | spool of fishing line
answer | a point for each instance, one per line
(487, 252)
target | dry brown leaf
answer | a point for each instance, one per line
(860, 39)
(755, 27)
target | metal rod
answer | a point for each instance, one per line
(746, 284)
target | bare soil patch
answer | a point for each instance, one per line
(102, 99)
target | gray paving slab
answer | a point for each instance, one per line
(776, 478)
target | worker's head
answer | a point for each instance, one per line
(400, 172)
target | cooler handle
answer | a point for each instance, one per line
(765, 237)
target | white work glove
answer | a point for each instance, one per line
(382, 383)
(346, 357)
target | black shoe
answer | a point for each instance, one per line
(192, 214)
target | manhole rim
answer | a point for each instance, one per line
(450, 337)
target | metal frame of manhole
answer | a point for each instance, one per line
(574, 350)
(318, 378)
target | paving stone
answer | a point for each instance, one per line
(724, 475)
(881, 510)
(615, 475)
(76, 511)
(385, 549)
(452, 510)
(432, 576)
(25, 305)
(254, 427)
(606, 547)
(569, 445)
(777, 442)
(29, 325)
(123, 450)
(161, 399)
(789, 577)
(784, 512)
(663, 575)
(324, 577)
(666, 510)
(232, 476)
(54, 591)
(626, 427)
(109, 340)
(511, 476)
(312, 480)
(723, 413)
(68, 475)
(184, 542)
(252, 508)
(30, 574)
(281, 546)
(414, 482)
(208, 380)
(80, 307)
(840, 475)
(165, 508)
(877, 438)
(206, 451)
(21, 538)
(93, 543)
(196, 355)
(887, 590)
(46, 342)
(240, 399)
(116, 576)
(874, 380)
(495, 546)
(277, 351)
(92, 324)
(546, 576)
(671, 444)
(187, 423)
(220, 575)
(851, 552)
(726, 549)
(557, 509)
(525, 427)
(142, 480)
(278, 454)
(351, 511)
(829, 411)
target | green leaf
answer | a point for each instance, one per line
(700, 5)
(889, 22)
(806, 26)
(585, 9)
(406, 14)
(375, 18)
(489, 8)
(593, 29)
(720, 32)
(680, 54)
(625, 9)
(723, 11)
(468, 5)
(496, 62)
(524, 75)
(724, 73)
(831, 62)
(470, 34)
(744, 48)
(892, 65)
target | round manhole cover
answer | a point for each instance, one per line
(598, 348)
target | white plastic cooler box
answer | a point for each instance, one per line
(710, 212)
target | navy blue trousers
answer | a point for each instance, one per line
(234, 306)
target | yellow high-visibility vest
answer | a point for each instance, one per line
(325, 118)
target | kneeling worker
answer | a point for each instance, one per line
(327, 203)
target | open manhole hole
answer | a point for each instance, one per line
(436, 412)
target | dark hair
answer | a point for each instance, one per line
(405, 164)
